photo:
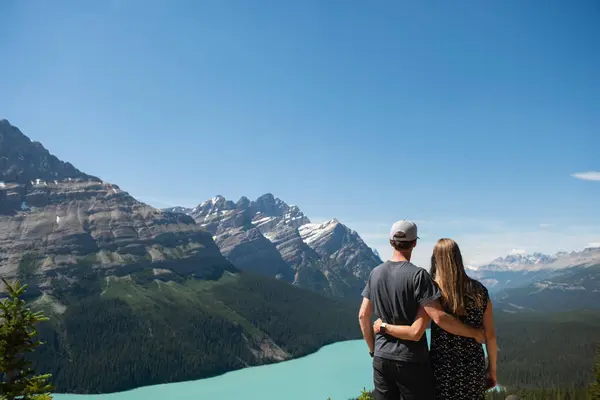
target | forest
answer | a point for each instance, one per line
(137, 335)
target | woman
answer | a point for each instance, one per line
(458, 362)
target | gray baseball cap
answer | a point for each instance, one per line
(408, 228)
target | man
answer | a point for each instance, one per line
(396, 290)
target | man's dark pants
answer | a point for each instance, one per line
(401, 380)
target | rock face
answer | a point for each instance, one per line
(55, 220)
(274, 238)
(23, 161)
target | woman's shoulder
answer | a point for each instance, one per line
(479, 287)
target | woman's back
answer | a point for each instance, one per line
(459, 362)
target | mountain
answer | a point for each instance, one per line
(139, 296)
(516, 270)
(520, 262)
(276, 239)
(539, 282)
(565, 290)
(24, 161)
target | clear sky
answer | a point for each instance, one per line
(470, 117)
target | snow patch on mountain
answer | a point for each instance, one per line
(312, 233)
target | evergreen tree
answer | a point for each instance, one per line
(17, 338)
(595, 387)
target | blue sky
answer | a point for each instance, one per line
(470, 117)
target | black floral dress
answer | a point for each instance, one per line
(459, 362)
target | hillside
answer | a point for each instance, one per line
(569, 289)
(136, 295)
(138, 331)
(276, 239)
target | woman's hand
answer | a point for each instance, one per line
(491, 380)
(377, 325)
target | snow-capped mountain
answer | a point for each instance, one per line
(515, 270)
(519, 261)
(271, 237)
(539, 261)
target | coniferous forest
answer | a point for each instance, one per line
(135, 335)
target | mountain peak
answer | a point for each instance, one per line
(25, 161)
(268, 197)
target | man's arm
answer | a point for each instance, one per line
(413, 332)
(451, 324)
(364, 317)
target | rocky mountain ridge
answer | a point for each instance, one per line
(565, 289)
(57, 223)
(538, 261)
(517, 270)
(329, 258)
(24, 161)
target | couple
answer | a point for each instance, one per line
(404, 298)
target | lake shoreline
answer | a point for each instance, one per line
(69, 394)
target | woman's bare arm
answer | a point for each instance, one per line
(413, 332)
(490, 340)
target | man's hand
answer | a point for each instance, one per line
(491, 379)
(480, 336)
(377, 325)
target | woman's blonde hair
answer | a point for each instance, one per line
(448, 271)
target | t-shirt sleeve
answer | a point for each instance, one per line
(426, 289)
(367, 290)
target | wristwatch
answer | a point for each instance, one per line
(371, 354)
(383, 328)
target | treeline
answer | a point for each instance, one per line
(547, 350)
(141, 335)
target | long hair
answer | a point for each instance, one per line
(448, 271)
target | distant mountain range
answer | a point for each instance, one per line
(276, 239)
(564, 281)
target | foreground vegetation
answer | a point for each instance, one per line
(137, 331)
(526, 394)
(17, 338)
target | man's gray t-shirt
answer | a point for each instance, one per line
(397, 290)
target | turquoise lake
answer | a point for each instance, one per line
(339, 371)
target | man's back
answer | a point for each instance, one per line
(397, 290)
